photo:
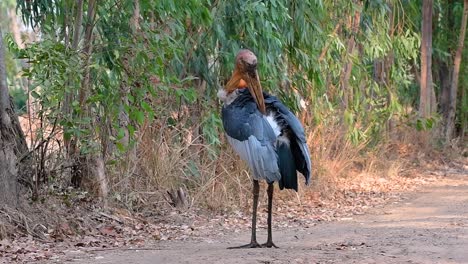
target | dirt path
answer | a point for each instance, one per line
(430, 226)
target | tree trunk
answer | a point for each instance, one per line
(450, 122)
(8, 159)
(353, 26)
(87, 50)
(444, 81)
(426, 93)
(94, 163)
(444, 64)
(77, 24)
(135, 22)
(69, 96)
(124, 119)
(463, 114)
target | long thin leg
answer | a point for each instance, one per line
(256, 190)
(253, 240)
(269, 242)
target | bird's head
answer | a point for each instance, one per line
(245, 75)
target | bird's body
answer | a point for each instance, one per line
(273, 144)
(264, 133)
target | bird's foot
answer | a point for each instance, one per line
(252, 244)
(269, 244)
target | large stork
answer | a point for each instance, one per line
(264, 133)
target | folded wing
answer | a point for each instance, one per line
(252, 137)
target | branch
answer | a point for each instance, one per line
(327, 46)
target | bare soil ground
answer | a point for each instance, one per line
(428, 226)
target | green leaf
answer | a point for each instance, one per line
(35, 95)
(140, 117)
(146, 106)
(120, 146)
(120, 133)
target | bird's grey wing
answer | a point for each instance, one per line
(252, 137)
(262, 159)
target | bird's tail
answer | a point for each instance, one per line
(287, 166)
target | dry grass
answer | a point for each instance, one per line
(166, 159)
(169, 159)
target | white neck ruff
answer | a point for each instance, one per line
(227, 98)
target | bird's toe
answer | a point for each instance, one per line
(269, 244)
(253, 244)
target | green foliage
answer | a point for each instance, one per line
(424, 123)
(53, 70)
(182, 52)
(20, 99)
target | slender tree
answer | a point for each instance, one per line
(426, 91)
(96, 165)
(353, 27)
(69, 95)
(450, 122)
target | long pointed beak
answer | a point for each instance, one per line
(255, 88)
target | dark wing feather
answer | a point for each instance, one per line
(299, 146)
(250, 134)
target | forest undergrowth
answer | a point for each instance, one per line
(163, 190)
